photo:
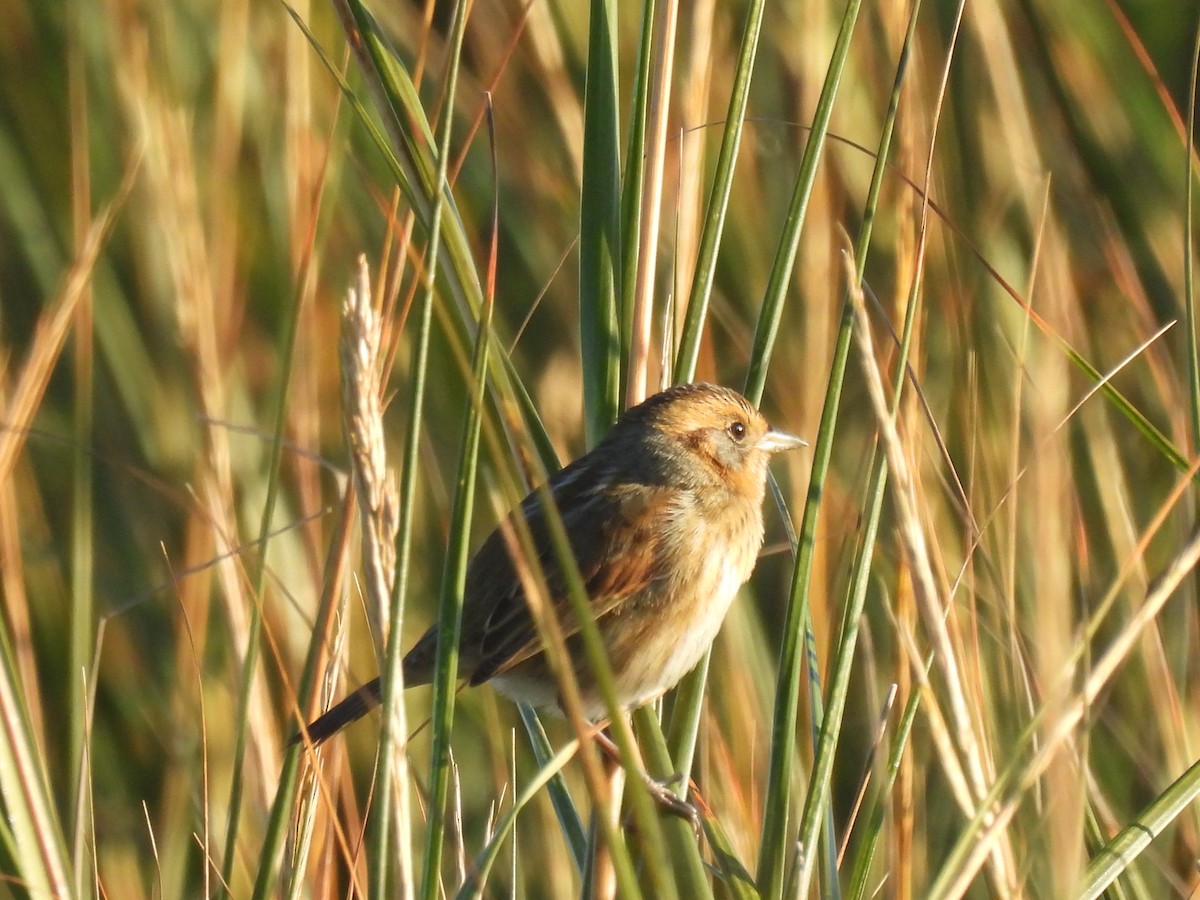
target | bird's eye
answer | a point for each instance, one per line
(737, 430)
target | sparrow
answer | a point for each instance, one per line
(664, 519)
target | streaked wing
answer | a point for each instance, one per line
(617, 540)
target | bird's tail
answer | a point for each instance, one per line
(351, 709)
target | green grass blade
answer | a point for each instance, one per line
(548, 770)
(825, 852)
(392, 674)
(599, 228)
(410, 150)
(683, 727)
(775, 842)
(1119, 853)
(451, 602)
(735, 878)
(450, 619)
(406, 158)
(718, 199)
(634, 180)
(1189, 252)
(573, 829)
(789, 240)
(817, 813)
(685, 852)
(83, 611)
(858, 886)
(458, 552)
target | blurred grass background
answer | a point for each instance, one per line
(180, 183)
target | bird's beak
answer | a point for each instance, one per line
(776, 441)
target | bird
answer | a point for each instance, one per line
(664, 520)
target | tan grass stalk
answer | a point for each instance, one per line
(695, 94)
(924, 582)
(363, 382)
(665, 22)
(50, 335)
(1101, 674)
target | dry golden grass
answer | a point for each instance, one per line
(184, 195)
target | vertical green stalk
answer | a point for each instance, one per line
(789, 241)
(1189, 260)
(862, 866)
(599, 227)
(379, 863)
(393, 682)
(718, 198)
(410, 161)
(83, 625)
(776, 840)
(635, 169)
(569, 821)
(816, 803)
(776, 845)
(450, 613)
(83, 615)
(685, 851)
